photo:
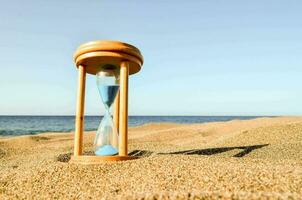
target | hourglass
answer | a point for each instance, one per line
(111, 62)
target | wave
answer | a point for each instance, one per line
(34, 132)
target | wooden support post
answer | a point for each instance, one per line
(123, 119)
(116, 114)
(79, 121)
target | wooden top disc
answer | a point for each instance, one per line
(93, 55)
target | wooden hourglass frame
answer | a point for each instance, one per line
(89, 58)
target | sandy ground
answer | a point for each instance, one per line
(253, 159)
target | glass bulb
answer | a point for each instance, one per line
(106, 139)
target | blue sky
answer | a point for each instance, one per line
(201, 57)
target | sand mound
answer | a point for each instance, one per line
(251, 159)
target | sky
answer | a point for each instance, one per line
(210, 57)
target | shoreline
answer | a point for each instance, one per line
(148, 124)
(31, 125)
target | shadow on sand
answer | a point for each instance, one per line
(211, 151)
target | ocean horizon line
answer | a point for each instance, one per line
(152, 115)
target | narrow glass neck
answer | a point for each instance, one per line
(107, 111)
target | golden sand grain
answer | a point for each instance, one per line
(253, 159)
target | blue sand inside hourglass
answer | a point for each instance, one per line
(108, 93)
(106, 150)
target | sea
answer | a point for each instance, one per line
(30, 125)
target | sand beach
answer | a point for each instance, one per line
(240, 159)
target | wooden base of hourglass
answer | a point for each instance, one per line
(98, 159)
(89, 58)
